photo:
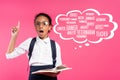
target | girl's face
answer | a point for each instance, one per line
(42, 26)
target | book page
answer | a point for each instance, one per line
(53, 70)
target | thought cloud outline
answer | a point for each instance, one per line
(115, 26)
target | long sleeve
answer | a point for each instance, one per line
(58, 58)
(21, 49)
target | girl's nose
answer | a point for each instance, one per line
(41, 25)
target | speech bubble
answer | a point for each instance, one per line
(87, 26)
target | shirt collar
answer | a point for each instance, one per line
(46, 40)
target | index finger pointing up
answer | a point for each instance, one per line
(18, 26)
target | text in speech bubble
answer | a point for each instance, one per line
(87, 26)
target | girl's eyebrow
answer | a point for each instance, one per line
(41, 21)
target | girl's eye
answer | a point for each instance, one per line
(45, 23)
(38, 24)
(42, 23)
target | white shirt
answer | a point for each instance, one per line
(42, 53)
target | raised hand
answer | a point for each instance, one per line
(15, 30)
(14, 33)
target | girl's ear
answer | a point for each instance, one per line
(50, 27)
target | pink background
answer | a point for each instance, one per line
(97, 62)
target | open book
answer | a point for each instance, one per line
(53, 70)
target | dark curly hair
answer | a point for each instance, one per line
(45, 15)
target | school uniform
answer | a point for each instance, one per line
(41, 56)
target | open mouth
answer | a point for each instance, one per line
(41, 31)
